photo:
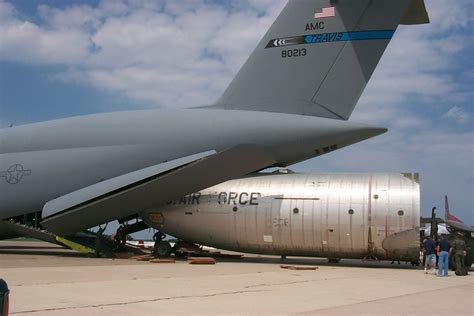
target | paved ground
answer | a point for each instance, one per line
(46, 280)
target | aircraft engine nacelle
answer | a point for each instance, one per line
(317, 215)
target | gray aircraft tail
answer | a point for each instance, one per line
(318, 56)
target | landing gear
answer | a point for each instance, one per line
(162, 249)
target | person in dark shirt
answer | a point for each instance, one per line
(98, 241)
(429, 247)
(443, 253)
(458, 251)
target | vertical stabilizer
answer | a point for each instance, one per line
(448, 215)
(318, 56)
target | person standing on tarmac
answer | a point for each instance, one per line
(98, 241)
(459, 252)
(119, 237)
(123, 236)
(443, 250)
(157, 237)
(429, 247)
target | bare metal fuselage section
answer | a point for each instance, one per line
(318, 215)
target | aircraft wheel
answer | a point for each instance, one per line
(162, 249)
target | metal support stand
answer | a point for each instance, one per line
(370, 249)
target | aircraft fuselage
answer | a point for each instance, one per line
(40, 162)
(314, 215)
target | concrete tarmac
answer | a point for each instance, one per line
(47, 280)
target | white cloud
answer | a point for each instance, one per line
(76, 17)
(419, 66)
(7, 12)
(448, 15)
(151, 50)
(171, 53)
(27, 42)
(458, 114)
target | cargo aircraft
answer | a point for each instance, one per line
(291, 101)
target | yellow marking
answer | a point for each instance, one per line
(75, 246)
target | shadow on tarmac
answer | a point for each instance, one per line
(323, 262)
(43, 252)
(44, 249)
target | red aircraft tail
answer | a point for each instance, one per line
(448, 215)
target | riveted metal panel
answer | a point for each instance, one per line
(322, 226)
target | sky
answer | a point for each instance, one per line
(62, 58)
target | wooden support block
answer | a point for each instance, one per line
(123, 255)
(227, 256)
(201, 260)
(289, 267)
(162, 261)
(143, 258)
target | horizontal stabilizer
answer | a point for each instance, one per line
(416, 14)
(100, 207)
(461, 227)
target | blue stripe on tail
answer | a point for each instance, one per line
(348, 36)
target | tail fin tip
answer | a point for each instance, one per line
(416, 14)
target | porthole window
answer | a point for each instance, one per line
(351, 212)
(401, 213)
(296, 210)
(235, 209)
(376, 196)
